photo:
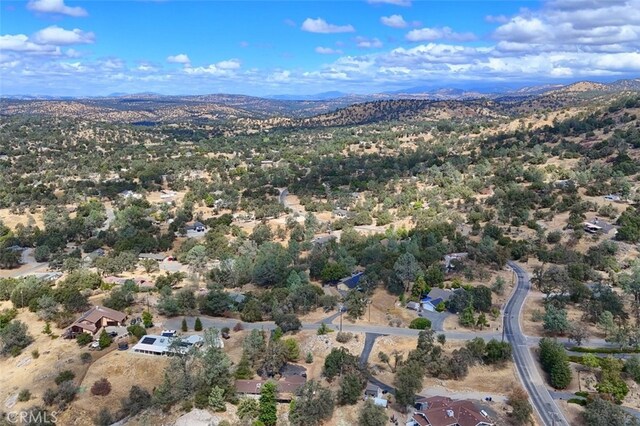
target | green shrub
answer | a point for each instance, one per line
(84, 339)
(420, 324)
(578, 401)
(64, 376)
(85, 357)
(323, 329)
(198, 325)
(582, 394)
(104, 340)
(24, 395)
(603, 350)
(137, 330)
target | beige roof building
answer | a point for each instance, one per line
(96, 318)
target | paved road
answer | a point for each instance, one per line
(29, 266)
(110, 218)
(207, 322)
(530, 377)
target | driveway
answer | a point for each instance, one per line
(436, 318)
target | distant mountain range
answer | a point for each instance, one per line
(322, 109)
(417, 92)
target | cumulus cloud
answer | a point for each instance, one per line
(321, 26)
(403, 3)
(59, 36)
(556, 42)
(430, 34)
(327, 51)
(55, 7)
(180, 58)
(394, 21)
(584, 23)
(21, 43)
(222, 68)
(367, 43)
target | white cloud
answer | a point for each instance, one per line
(561, 40)
(59, 36)
(279, 76)
(366, 43)
(112, 64)
(180, 58)
(403, 3)
(589, 24)
(321, 26)
(72, 53)
(327, 51)
(146, 67)
(430, 34)
(496, 19)
(223, 68)
(56, 7)
(394, 21)
(21, 43)
(231, 64)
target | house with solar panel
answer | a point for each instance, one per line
(167, 344)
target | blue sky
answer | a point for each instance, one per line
(58, 47)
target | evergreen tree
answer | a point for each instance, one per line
(216, 399)
(268, 412)
(243, 370)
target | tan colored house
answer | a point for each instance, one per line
(96, 318)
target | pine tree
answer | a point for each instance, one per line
(482, 321)
(467, 318)
(198, 325)
(216, 399)
(243, 371)
(185, 328)
(268, 408)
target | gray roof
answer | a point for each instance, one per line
(440, 293)
(155, 256)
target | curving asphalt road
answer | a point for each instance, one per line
(530, 377)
